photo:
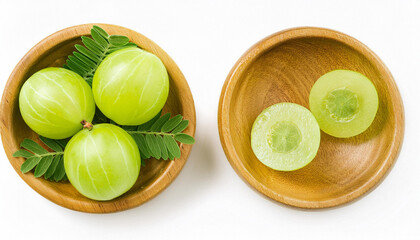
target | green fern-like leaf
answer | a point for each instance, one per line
(158, 137)
(47, 164)
(87, 58)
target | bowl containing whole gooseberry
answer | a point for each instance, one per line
(97, 118)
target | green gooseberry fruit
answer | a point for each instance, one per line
(130, 86)
(102, 161)
(54, 101)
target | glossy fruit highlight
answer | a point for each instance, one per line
(54, 101)
(285, 137)
(102, 163)
(131, 86)
(344, 103)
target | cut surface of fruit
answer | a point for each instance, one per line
(344, 103)
(285, 137)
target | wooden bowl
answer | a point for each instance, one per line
(282, 68)
(53, 51)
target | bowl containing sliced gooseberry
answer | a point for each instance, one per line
(311, 117)
(97, 118)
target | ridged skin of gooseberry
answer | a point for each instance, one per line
(131, 86)
(296, 124)
(54, 101)
(362, 103)
(102, 163)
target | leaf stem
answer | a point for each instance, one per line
(48, 154)
(154, 133)
(101, 58)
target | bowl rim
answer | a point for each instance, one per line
(165, 177)
(264, 46)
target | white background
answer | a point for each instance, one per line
(208, 200)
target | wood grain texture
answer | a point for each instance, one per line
(53, 51)
(283, 68)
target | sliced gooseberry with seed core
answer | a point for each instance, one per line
(344, 103)
(285, 137)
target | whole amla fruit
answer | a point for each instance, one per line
(102, 161)
(54, 101)
(130, 86)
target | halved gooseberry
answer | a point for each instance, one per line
(285, 137)
(344, 103)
